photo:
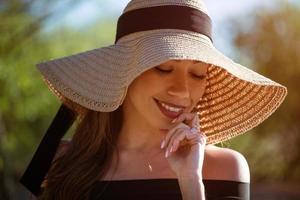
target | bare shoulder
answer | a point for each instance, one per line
(226, 164)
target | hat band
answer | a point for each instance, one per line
(43, 157)
(164, 17)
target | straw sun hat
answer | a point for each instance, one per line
(151, 32)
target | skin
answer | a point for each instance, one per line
(145, 127)
(139, 105)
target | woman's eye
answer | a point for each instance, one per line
(199, 76)
(163, 70)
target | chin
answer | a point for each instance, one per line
(164, 130)
(163, 124)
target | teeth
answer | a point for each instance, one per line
(170, 108)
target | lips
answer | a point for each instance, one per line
(167, 113)
(172, 105)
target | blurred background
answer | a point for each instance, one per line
(263, 35)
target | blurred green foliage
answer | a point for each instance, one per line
(26, 105)
(268, 40)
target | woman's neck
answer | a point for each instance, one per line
(139, 139)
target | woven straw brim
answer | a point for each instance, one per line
(236, 98)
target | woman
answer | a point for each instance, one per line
(151, 108)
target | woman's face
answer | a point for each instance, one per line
(177, 83)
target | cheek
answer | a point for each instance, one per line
(151, 83)
(145, 86)
(198, 93)
(201, 90)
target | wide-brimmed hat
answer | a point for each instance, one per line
(149, 33)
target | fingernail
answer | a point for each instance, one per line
(171, 150)
(167, 153)
(174, 120)
(162, 144)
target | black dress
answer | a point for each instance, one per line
(165, 189)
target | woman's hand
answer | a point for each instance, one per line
(184, 145)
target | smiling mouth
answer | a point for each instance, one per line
(169, 111)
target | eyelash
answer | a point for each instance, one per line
(168, 71)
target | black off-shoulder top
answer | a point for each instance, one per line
(165, 189)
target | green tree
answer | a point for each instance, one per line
(270, 41)
(26, 105)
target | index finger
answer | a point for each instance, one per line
(170, 133)
(192, 119)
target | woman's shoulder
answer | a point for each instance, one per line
(226, 164)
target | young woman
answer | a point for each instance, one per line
(152, 106)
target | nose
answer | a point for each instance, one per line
(179, 88)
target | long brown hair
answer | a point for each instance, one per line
(87, 158)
